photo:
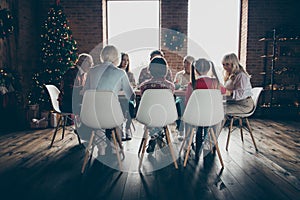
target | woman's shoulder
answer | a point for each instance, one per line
(71, 72)
(72, 69)
(129, 73)
(205, 79)
(241, 75)
(117, 71)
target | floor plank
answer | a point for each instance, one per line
(29, 169)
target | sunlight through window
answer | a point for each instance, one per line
(214, 26)
(133, 27)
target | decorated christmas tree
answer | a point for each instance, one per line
(58, 53)
(6, 23)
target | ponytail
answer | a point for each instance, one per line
(193, 79)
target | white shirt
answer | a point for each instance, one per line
(240, 86)
(181, 79)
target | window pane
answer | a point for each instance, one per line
(214, 26)
(133, 27)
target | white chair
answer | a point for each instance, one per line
(101, 110)
(255, 96)
(157, 109)
(204, 108)
(53, 92)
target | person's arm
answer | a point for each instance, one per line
(188, 93)
(177, 81)
(223, 89)
(132, 79)
(142, 76)
(169, 75)
(126, 87)
(86, 85)
(172, 87)
(241, 83)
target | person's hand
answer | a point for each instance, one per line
(228, 93)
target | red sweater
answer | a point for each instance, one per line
(203, 83)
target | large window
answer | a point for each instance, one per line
(133, 27)
(214, 26)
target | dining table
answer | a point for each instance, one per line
(176, 92)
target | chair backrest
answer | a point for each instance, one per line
(101, 110)
(157, 108)
(204, 108)
(256, 91)
(255, 96)
(54, 92)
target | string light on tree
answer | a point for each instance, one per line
(6, 23)
(58, 53)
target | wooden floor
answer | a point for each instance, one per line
(30, 170)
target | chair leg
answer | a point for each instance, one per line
(79, 140)
(65, 119)
(170, 146)
(223, 122)
(241, 128)
(189, 147)
(119, 140)
(210, 146)
(86, 157)
(117, 149)
(229, 132)
(143, 141)
(144, 147)
(250, 131)
(217, 147)
(184, 139)
(118, 137)
(76, 128)
(132, 126)
(182, 144)
(56, 129)
(217, 130)
(141, 145)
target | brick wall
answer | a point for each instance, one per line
(8, 45)
(174, 15)
(86, 22)
(3, 43)
(263, 16)
(28, 37)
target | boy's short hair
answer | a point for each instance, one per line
(156, 53)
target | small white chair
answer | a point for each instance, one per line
(255, 96)
(53, 92)
(157, 109)
(204, 108)
(101, 110)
